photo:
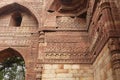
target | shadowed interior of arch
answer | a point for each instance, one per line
(16, 19)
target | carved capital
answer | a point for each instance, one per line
(41, 37)
(116, 60)
(114, 44)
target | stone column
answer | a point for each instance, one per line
(106, 11)
(39, 70)
(115, 11)
(114, 46)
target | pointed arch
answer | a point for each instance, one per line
(20, 7)
(9, 52)
(11, 59)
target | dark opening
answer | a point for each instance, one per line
(16, 19)
(83, 15)
(99, 17)
(66, 1)
(50, 11)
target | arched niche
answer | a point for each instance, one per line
(16, 15)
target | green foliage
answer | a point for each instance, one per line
(1, 75)
(12, 68)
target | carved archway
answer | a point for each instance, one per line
(9, 60)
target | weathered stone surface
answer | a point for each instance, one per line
(62, 39)
(69, 71)
(103, 65)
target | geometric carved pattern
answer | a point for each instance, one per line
(15, 36)
(66, 47)
(72, 49)
(69, 22)
(64, 55)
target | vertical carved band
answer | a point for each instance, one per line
(114, 46)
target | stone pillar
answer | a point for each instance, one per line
(30, 72)
(39, 70)
(114, 46)
(115, 11)
(106, 11)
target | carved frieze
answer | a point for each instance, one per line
(21, 29)
(69, 37)
(64, 55)
(17, 36)
(67, 61)
(64, 47)
(15, 42)
(70, 22)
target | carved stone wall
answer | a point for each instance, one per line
(104, 29)
(71, 22)
(22, 39)
(64, 47)
(64, 41)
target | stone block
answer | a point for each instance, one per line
(64, 75)
(57, 66)
(57, 71)
(77, 75)
(48, 75)
(77, 78)
(49, 71)
(65, 79)
(47, 66)
(75, 66)
(73, 71)
(48, 79)
(67, 66)
(80, 71)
